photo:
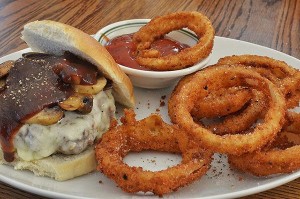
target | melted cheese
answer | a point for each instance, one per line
(71, 135)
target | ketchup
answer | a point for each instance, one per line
(34, 82)
(122, 49)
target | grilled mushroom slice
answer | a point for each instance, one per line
(5, 67)
(47, 116)
(91, 89)
(81, 102)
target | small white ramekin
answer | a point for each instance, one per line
(150, 79)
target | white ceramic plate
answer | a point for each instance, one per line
(219, 182)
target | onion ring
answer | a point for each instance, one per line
(279, 69)
(222, 102)
(280, 73)
(210, 107)
(162, 25)
(199, 84)
(282, 156)
(236, 123)
(150, 134)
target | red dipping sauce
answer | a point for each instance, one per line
(122, 49)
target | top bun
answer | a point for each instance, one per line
(55, 38)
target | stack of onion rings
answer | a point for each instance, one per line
(159, 26)
(150, 134)
(285, 77)
(197, 86)
(278, 154)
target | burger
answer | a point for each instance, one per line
(58, 100)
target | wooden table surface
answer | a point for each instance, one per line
(271, 23)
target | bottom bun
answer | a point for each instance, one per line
(60, 167)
